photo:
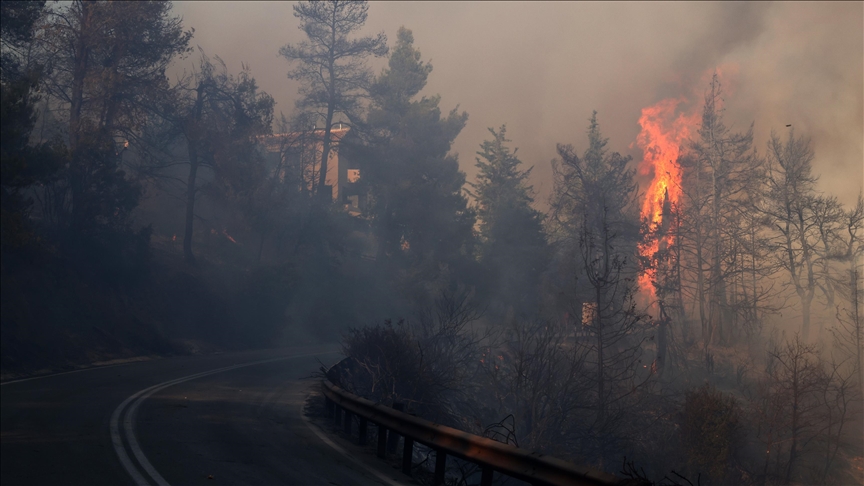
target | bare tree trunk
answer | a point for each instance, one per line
(261, 246)
(79, 75)
(811, 281)
(856, 322)
(328, 122)
(753, 271)
(82, 55)
(190, 203)
(383, 233)
(700, 289)
(325, 155)
(715, 314)
(193, 135)
(806, 300)
(699, 240)
(601, 402)
(661, 341)
(793, 448)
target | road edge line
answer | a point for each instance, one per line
(129, 422)
(342, 451)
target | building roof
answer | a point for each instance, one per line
(279, 141)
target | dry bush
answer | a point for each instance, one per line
(429, 363)
(539, 379)
(712, 431)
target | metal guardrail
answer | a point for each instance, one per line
(535, 468)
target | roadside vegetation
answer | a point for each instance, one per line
(707, 329)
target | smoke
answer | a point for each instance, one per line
(807, 70)
(543, 67)
(728, 28)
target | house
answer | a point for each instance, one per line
(298, 155)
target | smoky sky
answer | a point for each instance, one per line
(542, 67)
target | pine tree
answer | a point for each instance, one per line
(719, 177)
(513, 244)
(596, 227)
(420, 216)
(330, 65)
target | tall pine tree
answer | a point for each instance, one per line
(513, 246)
(420, 217)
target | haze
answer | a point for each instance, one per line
(625, 238)
(542, 67)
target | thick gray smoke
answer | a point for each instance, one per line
(542, 67)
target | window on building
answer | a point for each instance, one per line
(589, 314)
(353, 175)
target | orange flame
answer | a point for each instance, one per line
(664, 130)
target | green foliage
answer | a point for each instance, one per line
(513, 245)
(330, 63)
(21, 164)
(99, 193)
(711, 431)
(404, 77)
(332, 67)
(426, 363)
(419, 214)
(107, 61)
(114, 256)
(236, 115)
(17, 21)
(389, 355)
(104, 68)
(501, 185)
(590, 186)
(593, 211)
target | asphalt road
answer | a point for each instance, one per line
(222, 419)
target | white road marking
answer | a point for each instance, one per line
(65, 373)
(345, 453)
(131, 412)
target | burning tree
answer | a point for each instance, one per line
(700, 240)
(664, 133)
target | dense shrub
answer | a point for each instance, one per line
(711, 431)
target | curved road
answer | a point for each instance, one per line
(232, 418)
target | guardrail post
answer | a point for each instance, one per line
(347, 423)
(519, 463)
(393, 439)
(440, 467)
(486, 477)
(382, 441)
(407, 453)
(361, 429)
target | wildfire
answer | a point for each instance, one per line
(665, 128)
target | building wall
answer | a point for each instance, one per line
(309, 145)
